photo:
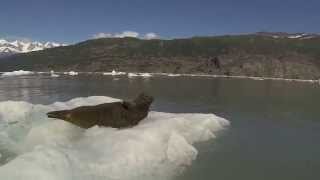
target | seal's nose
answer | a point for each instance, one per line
(58, 114)
(52, 114)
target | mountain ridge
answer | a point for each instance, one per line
(249, 55)
(19, 46)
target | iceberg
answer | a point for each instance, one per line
(34, 147)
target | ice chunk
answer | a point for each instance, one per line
(114, 73)
(73, 73)
(146, 75)
(160, 147)
(18, 73)
(53, 74)
(132, 75)
(174, 75)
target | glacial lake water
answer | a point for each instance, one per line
(275, 125)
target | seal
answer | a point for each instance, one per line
(117, 114)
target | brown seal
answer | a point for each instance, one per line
(116, 114)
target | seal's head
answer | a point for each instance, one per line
(143, 100)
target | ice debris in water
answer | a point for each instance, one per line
(18, 73)
(37, 148)
(114, 73)
(145, 75)
(53, 74)
(72, 73)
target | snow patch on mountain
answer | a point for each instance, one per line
(13, 47)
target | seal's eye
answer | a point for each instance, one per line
(68, 116)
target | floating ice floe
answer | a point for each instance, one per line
(18, 73)
(72, 73)
(257, 78)
(133, 75)
(41, 72)
(53, 74)
(173, 75)
(114, 73)
(146, 75)
(160, 147)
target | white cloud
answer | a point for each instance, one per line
(123, 34)
(116, 35)
(151, 35)
(127, 34)
(102, 35)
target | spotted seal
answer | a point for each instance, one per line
(117, 114)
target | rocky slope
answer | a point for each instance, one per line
(250, 55)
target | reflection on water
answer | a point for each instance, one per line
(275, 124)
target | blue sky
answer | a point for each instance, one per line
(77, 20)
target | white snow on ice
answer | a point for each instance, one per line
(160, 147)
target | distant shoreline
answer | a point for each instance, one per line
(148, 75)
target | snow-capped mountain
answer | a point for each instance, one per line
(13, 47)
